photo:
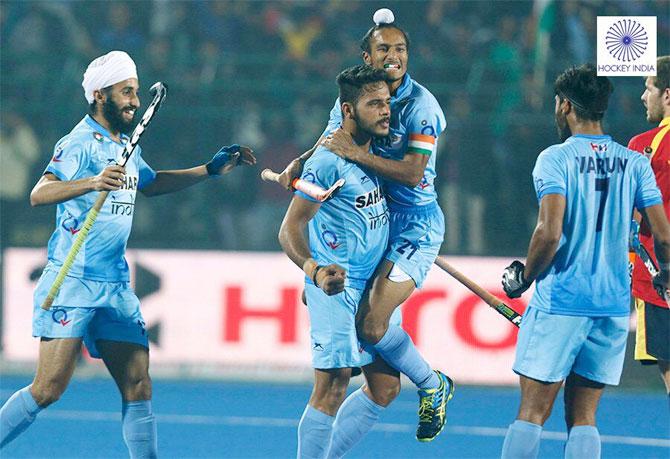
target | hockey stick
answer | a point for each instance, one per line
(310, 189)
(644, 255)
(490, 299)
(159, 92)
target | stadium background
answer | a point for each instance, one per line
(262, 73)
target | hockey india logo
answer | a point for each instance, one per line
(59, 315)
(330, 239)
(309, 177)
(70, 224)
(626, 40)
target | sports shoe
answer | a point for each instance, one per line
(433, 408)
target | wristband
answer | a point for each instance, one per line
(316, 284)
(210, 169)
(309, 267)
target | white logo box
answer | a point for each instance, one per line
(626, 45)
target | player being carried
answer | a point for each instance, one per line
(576, 324)
(346, 241)
(652, 343)
(96, 304)
(406, 158)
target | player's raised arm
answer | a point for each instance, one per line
(407, 171)
(295, 244)
(294, 168)
(224, 161)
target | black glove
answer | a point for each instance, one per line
(660, 282)
(513, 281)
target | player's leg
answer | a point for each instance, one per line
(652, 337)
(599, 362)
(55, 366)
(581, 402)
(61, 330)
(664, 368)
(361, 410)
(316, 424)
(128, 363)
(523, 435)
(117, 335)
(387, 292)
(390, 288)
(335, 350)
(547, 346)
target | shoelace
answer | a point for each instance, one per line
(426, 409)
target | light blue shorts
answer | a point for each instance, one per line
(89, 309)
(415, 237)
(551, 346)
(333, 329)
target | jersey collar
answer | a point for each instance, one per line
(599, 137)
(99, 128)
(405, 88)
(665, 121)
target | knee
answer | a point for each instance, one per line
(137, 388)
(327, 396)
(336, 390)
(335, 396)
(371, 331)
(46, 393)
(537, 412)
(384, 395)
(534, 415)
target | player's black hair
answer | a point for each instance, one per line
(588, 93)
(352, 81)
(365, 41)
(93, 106)
(662, 79)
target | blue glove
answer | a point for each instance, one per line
(221, 158)
(634, 236)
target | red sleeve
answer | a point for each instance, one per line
(636, 144)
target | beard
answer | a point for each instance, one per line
(373, 129)
(114, 116)
(563, 128)
(654, 113)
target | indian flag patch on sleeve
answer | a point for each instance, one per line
(422, 144)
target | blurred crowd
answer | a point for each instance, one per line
(262, 73)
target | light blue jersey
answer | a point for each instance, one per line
(416, 122)
(83, 153)
(602, 181)
(352, 228)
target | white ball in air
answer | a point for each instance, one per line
(383, 16)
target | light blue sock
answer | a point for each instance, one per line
(17, 414)
(583, 442)
(139, 429)
(354, 420)
(314, 433)
(522, 441)
(398, 350)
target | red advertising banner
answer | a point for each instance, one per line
(244, 309)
